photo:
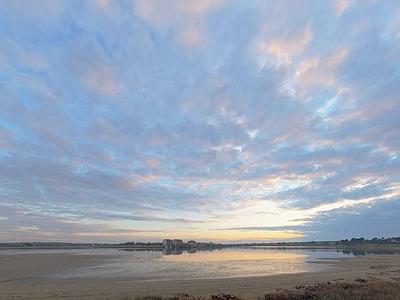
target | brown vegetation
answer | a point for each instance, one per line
(357, 290)
(341, 290)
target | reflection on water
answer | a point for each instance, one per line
(153, 265)
(340, 251)
(345, 251)
(233, 255)
(174, 251)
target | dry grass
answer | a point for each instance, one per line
(359, 289)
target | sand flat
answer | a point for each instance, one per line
(19, 278)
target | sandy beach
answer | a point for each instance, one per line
(19, 278)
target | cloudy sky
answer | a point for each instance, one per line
(210, 120)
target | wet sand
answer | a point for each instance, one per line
(23, 276)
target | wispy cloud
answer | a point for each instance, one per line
(184, 18)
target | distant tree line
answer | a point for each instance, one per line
(373, 241)
(141, 244)
(344, 242)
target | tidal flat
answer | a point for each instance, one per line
(114, 274)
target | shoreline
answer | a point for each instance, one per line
(19, 281)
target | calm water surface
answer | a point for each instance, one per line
(154, 265)
(231, 262)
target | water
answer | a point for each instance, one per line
(114, 264)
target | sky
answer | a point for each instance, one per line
(223, 121)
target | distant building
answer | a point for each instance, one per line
(167, 243)
(192, 244)
(177, 243)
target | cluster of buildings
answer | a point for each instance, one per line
(177, 243)
(177, 246)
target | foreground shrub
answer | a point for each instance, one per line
(360, 289)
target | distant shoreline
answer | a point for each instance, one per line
(352, 249)
(353, 242)
(80, 247)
